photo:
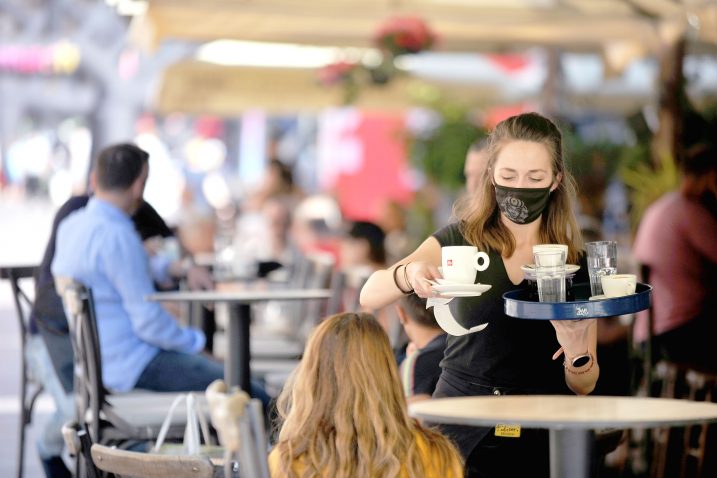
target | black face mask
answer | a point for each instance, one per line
(522, 205)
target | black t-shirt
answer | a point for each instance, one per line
(513, 354)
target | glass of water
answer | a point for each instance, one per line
(550, 275)
(602, 261)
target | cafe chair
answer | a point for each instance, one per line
(700, 441)
(239, 421)
(668, 381)
(315, 271)
(687, 452)
(123, 463)
(109, 418)
(30, 388)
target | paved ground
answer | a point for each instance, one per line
(24, 229)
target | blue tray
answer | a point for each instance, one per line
(518, 304)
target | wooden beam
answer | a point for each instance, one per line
(456, 32)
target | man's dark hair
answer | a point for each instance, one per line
(119, 166)
(415, 307)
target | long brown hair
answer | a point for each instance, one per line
(344, 414)
(479, 213)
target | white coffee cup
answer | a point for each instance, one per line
(618, 285)
(460, 263)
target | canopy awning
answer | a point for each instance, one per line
(619, 30)
(197, 87)
(463, 25)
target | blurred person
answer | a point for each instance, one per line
(392, 219)
(278, 181)
(362, 253)
(677, 240)
(99, 247)
(343, 413)
(315, 226)
(475, 165)
(363, 246)
(525, 199)
(264, 236)
(196, 230)
(420, 369)
(278, 249)
(49, 349)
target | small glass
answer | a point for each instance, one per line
(550, 275)
(602, 261)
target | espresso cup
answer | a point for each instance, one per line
(460, 263)
(618, 285)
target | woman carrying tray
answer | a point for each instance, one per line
(525, 198)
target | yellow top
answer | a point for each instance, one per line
(424, 448)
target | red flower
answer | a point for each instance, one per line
(400, 35)
(336, 72)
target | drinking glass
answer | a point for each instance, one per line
(550, 275)
(602, 261)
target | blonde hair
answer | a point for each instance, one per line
(479, 213)
(344, 413)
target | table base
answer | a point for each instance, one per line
(571, 452)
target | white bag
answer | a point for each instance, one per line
(196, 420)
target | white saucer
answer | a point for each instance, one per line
(598, 297)
(450, 295)
(472, 289)
(569, 268)
(448, 282)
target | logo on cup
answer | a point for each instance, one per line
(581, 311)
(460, 263)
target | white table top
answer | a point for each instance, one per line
(242, 296)
(564, 411)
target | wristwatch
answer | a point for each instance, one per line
(580, 360)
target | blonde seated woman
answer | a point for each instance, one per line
(343, 413)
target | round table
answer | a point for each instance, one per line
(570, 419)
(237, 357)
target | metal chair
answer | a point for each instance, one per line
(29, 388)
(109, 418)
(700, 441)
(240, 425)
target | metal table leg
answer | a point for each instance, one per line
(571, 453)
(236, 364)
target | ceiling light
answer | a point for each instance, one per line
(277, 55)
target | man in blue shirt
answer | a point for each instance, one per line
(142, 345)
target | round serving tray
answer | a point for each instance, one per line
(517, 304)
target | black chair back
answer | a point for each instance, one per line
(89, 389)
(29, 388)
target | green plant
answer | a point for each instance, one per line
(648, 183)
(441, 152)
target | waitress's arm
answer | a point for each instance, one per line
(576, 338)
(422, 264)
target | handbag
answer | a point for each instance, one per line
(192, 442)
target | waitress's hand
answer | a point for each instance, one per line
(573, 336)
(419, 273)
